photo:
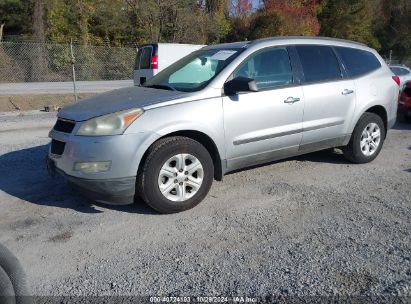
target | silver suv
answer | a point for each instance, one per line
(222, 108)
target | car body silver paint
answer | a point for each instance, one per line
(247, 129)
(116, 100)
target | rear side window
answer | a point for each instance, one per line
(358, 62)
(145, 57)
(319, 63)
(400, 71)
(269, 68)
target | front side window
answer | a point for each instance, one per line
(357, 62)
(269, 68)
(319, 63)
(195, 71)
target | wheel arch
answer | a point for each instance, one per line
(380, 111)
(203, 139)
(377, 109)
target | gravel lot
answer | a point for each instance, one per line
(311, 225)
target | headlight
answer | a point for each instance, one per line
(111, 124)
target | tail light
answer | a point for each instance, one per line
(396, 79)
(154, 62)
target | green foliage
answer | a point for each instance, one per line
(393, 28)
(350, 19)
(382, 24)
(265, 24)
(16, 15)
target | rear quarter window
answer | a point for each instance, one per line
(319, 63)
(400, 71)
(358, 62)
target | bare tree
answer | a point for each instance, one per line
(38, 21)
(38, 61)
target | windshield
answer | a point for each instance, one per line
(193, 72)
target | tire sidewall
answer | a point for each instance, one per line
(366, 119)
(152, 192)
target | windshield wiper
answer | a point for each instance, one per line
(161, 86)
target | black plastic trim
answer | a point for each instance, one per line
(119, 191)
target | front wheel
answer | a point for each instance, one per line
(176, 175)
(367, 139)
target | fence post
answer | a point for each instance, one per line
(73, 61)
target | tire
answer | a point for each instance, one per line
(355, 151)
(7, 294)
(172, 154)
(12, 273)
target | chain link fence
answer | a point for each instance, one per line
(406, 62)
(393, 59)
(36, 62)
(33, 72)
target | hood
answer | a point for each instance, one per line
(117, 100)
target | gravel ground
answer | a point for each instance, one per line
(311, 225)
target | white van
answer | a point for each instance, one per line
(154, 57)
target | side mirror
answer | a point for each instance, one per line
(240, 84)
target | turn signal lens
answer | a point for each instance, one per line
(92, 167)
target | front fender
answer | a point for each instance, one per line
(203, 116)
(170, 129)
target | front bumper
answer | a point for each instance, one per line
(118, 191)
(115, 186)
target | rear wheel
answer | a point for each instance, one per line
(177, 174)
(367, 139)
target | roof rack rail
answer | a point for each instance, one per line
(307, 37)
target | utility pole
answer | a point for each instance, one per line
(73, 61)
(1, 31)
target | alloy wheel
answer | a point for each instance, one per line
(180, 177)
(370, 139)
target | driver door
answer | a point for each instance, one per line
(264, 125)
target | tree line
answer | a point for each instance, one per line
(382, 24)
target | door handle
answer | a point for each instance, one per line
(291, 100)
(346, 92)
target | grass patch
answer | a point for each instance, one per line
(37, 101)
(61, 237)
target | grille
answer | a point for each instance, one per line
(57, 147)
(65, 126)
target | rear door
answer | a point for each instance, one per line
(329, 97)
(142, 67)
(267, 124)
